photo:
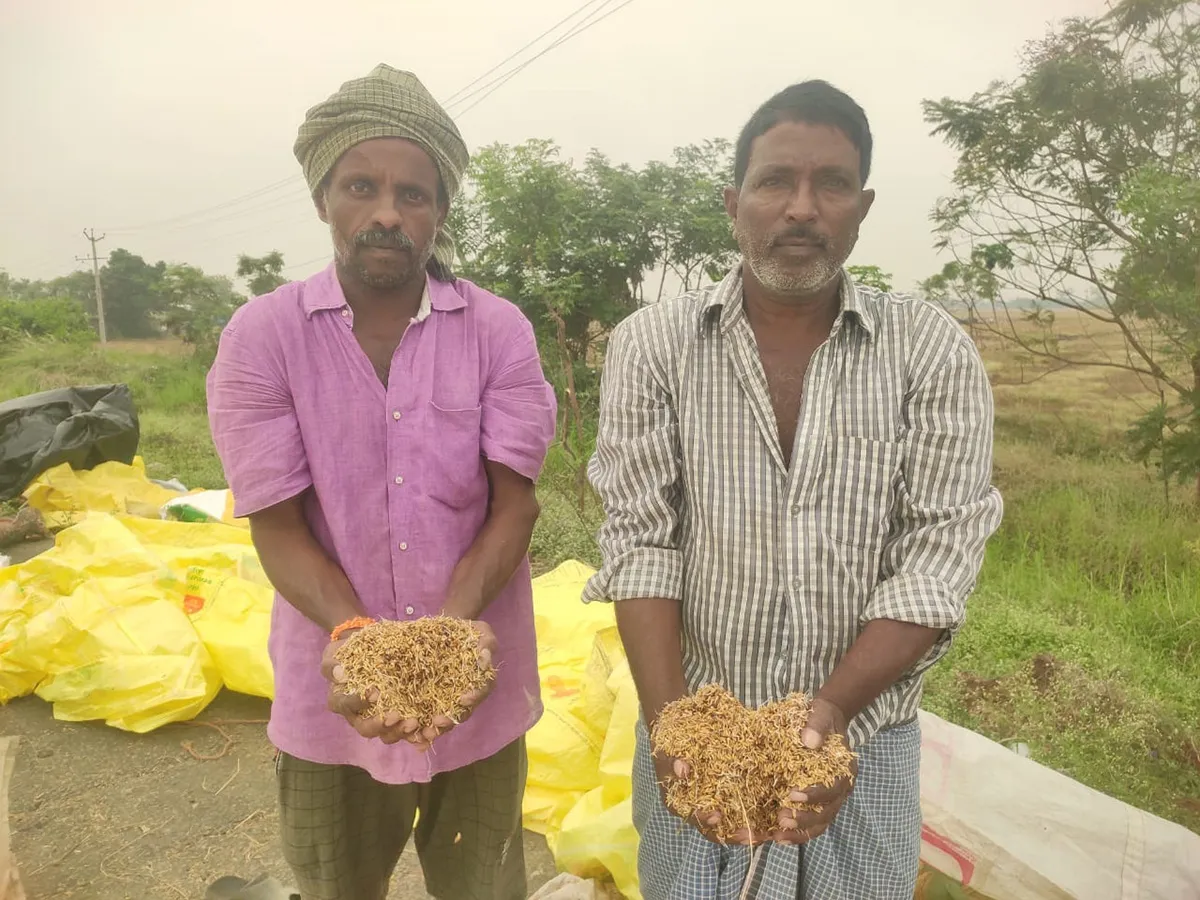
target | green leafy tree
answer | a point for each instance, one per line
(197, 307)
(686, 217)
(263, 274)
(871, 276)
(1078, 187)
(134, 300)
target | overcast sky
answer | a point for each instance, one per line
(126, 113)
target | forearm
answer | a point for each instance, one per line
(651, 631)
(492, 559)
(882, 653)
(301, 570)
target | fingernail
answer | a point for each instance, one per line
(798, 797)
(680, 769)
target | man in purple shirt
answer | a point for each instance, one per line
(382, 425)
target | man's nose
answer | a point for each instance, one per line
(386, 214)
(802, 205)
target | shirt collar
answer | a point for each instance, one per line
(727, 296)
(324, 292)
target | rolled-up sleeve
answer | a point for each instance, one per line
(947, 507)
(519, 409)
(635, 470)
(253, 422)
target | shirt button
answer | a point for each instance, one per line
(404, 545)
(796, 510)
(399, 479)
(345, 313)
(409, 610)
(396, 414)
(796, 584)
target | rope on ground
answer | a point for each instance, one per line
(219, 726)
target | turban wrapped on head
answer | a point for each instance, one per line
(385, 103)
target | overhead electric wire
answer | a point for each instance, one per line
(500, 81)
(473, 91)
(457, 95)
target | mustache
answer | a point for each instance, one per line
(392, 239)
(802, 233)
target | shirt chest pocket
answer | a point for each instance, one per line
(456, 476)
(859, 487)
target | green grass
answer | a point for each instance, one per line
(1082, 639)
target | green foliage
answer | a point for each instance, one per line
(574, 245)
(133, 296)
(58, 319)
(1078, 185)
(689, 228)
(263, 274)
(872, 277)
(197, 306)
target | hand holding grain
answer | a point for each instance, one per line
(411, 681)
(707, 822)
(388, 728)
(812, 808)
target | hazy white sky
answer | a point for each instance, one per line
(127, 113)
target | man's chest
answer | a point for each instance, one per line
(418, 434)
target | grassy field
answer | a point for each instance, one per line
(1083, 637)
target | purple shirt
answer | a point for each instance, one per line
(399, 491)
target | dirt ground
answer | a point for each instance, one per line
(100, 814)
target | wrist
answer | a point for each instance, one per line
(355, 623)
(841, 712)
(458, 607)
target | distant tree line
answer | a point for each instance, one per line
(140, 300)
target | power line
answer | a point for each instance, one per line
(456, 96)
(469, 91)
(284, 182)
(505, 79)
(99, 289)
(308, 262)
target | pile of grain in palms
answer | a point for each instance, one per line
(421, 668)
(743, 763)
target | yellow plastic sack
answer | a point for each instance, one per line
(581, 752)
(136, 621)
(564, 747)
(597, 837)
(232, 616)
(65, 496)
(122, 650)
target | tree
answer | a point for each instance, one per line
(1078, 187)
(573, 246)
(688, 225)
(198, 306)
(133, 295)
(872, 277)
(263, 274)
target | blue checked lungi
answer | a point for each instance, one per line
(870, 852)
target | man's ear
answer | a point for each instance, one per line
(320, 202)
(731, 202)
(868, 200)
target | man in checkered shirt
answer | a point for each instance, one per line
(796, 472)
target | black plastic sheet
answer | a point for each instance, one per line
(82, 426)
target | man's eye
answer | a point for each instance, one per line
(361, 186)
